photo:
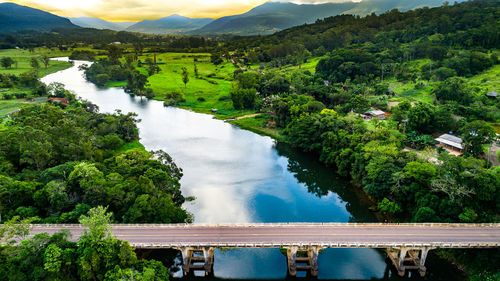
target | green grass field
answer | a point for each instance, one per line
(7, 106)
(310, 65)
(14, 90)
(407, 91)
(202, 93)
(23, 60)
(489, 80)
(258, 125)
(130, 146)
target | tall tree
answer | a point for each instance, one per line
(46, 61)
(34, 63)
(7, 62)
(185, 76)
(476, 134)
(114, 54)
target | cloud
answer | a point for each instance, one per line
(135, 10)
(316, 1)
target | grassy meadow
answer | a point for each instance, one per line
(23, 60)
(259, 125)
(7, 106)
(210, 90)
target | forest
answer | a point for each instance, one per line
(58, 164)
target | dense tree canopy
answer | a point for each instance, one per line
(57, 164)
(96, 256)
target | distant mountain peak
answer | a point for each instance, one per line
(177, 16)
(90, 22)
(173, 24)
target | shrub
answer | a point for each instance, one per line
(243, 98)
(381, 89)
(174, 98)
(201, 99)
(20, 95)
(149, 93)
(82, 55)
(224, 98)
(102, 79)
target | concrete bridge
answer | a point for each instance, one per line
(407, 245)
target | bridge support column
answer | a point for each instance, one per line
(197, 258)
(291, 255)
(307, 259)
(405, 258)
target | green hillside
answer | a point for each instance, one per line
(14, 17)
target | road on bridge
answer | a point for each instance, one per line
(273, 235)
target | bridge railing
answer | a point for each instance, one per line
(282, 224)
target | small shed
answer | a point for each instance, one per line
(379, 114)
(63, 101)
(492, 95)
(450, 142)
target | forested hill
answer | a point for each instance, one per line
(472, 23)
(273, 16)
(174, 24)
(367, 7)
(15, 17)
(90, 22)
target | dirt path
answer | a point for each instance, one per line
(248, 116)
(492, 155)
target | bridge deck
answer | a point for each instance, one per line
(283, 235)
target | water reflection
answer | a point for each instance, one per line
(240, 177)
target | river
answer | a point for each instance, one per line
(238, 176)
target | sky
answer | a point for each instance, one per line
(136, 10)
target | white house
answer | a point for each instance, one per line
(379, 114)
(450, 142)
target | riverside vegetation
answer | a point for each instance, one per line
(59, 162)
(430, 69)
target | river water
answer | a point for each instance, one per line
(237, 176)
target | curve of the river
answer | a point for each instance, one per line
(237, 176)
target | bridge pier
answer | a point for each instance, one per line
(197, 258)
(307, 259)
(405, 258)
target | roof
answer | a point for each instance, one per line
(492, 94)
(450, 140)
(61, 100)
(375, 112)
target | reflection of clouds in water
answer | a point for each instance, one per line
(356, 264)
(248, 263)
(236, 177)
(216, 205)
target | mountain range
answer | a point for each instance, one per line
(265, 19)
(15, 17)
(97, 23)
(367, 7)
(174, 24)
(271, 17)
